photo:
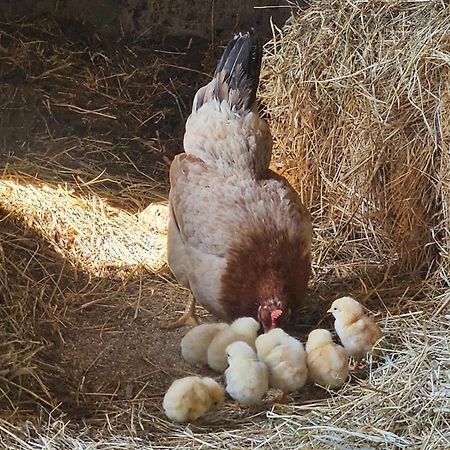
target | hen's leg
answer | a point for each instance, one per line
(188, 316)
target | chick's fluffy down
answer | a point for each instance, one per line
(243, 329)
(194, 345)
(285, 358)
(247, 378)
(327, 362)
(191, 397)
(357, 331)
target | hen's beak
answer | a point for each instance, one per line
(330, 311)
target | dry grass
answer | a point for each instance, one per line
(86, 132)
(87, 129)
(92, 235)
(357, 95)
(402, 403)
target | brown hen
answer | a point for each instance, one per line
(239, 237)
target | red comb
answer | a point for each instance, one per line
(276, 314)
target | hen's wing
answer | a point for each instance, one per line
(212, 212)
(195, 253)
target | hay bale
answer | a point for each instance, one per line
(357, 95)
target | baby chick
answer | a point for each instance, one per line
(358, 332)
(247, 378)
(194, 345)
(285, 358)
(242, 329)
(327, 362)
(189, 398)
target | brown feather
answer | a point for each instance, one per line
(263, 266)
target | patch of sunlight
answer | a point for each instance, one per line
(91, 234)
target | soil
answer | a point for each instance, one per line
(103, 341)
(110, 351)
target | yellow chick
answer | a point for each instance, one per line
(357, 332)
(242, 329)
(285, 358)
(327, 362)
(189, 398)
(247, 378)
(194, 345)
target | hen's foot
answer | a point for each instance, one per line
(189, 316)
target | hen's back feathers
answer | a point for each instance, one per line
(224, 131)
(236, 77)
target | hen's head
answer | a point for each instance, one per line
(273, 314)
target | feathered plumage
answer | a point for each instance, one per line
(285, 358)
(238, 236)
(247, 378)
(327, 362)
(189, 398)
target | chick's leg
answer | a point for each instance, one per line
(356, 364)
(189, 316)
(283, 398)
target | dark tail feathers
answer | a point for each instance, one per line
(236, 77)
(237, 73)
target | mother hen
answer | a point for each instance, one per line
(238, 236)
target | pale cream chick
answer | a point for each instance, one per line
(285, 358)
(247, 378)
(327, 362)
(189, 398)
(194, 345)
(357, 331)
(242, 329)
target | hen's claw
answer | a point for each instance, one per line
(189, 316)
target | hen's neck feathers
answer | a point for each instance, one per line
(258, 271)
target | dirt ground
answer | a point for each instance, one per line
(114, 351)
(102, 341)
